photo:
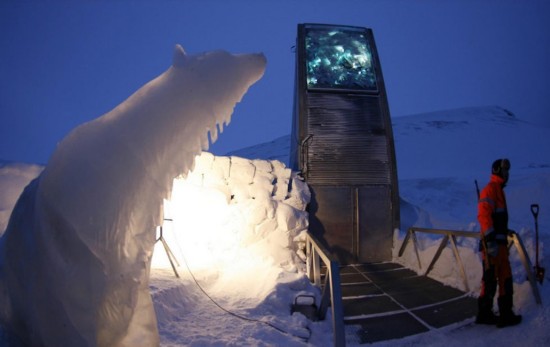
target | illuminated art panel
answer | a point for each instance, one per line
(339, 58)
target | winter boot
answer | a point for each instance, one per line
(485, 313)
(507, 316)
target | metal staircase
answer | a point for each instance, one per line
(384, 300)
(387, 301)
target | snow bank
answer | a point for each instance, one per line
(79, 242)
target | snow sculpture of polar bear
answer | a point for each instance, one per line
(75, 257)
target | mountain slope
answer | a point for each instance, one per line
(464, 142)
(277, 149)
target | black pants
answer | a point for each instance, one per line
(498, 273)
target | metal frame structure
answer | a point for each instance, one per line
(169, 254)
(451, 235)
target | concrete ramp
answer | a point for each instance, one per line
(389, 302)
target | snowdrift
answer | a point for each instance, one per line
(79, 242)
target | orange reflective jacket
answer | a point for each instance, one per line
(492, 211)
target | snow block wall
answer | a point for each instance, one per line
(75, 257)
(232, 213)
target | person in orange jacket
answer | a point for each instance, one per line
(493, 219)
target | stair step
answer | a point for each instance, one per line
(387, 301)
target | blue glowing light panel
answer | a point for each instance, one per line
(339, 58)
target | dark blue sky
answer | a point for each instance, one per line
(63, 63)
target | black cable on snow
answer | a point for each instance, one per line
(305, 339)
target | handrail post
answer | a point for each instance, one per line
(405, 242)
(337, 306)
(325, 297)
(316, 267)
(437, 254)
(457, 256)
(309, 265)
(415, 243)
(410, 235)
(527, 265)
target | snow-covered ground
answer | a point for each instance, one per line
(236, 286)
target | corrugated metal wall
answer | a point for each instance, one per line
(349, 143)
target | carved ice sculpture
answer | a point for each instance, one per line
(75, 257)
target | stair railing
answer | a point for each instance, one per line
(450, 235)
(332, 290)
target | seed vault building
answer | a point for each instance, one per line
(342, 142)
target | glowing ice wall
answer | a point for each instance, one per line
(237, 223)
(75, 258)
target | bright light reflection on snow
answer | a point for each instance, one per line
(205, 229)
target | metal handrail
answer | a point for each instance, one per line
(332, 291)
(450, 235)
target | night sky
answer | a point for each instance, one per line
(63, 63)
